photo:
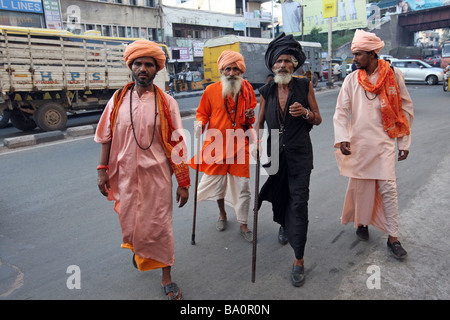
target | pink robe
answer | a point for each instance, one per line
(358, 120)
(141, 180)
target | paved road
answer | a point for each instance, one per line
(53, 217)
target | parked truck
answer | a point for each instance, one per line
(45, 74)
(253, 50)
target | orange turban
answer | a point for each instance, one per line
(228, 57)
(144, 48)
(366, 41)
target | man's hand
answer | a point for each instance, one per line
(182, 196)
(249, 113)
(402, 154)
(345, 148)
(257, 150)
(296, 110)
(103, 182)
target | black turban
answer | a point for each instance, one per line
(284, 44)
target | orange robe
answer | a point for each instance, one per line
(231, 155)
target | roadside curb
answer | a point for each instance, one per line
(34, 139)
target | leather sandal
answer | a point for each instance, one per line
(397, 249)
(221, 225)
(172, 287)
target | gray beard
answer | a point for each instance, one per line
(282, 78)
(230, 86)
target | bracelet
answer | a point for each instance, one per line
(102, 166)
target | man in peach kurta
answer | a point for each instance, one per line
(227, 109)
(137, 162)
(374, 111)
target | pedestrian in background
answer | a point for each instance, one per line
(373, 111)
(137, 161)
(189, 79)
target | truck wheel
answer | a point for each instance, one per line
(4, 118)
(22, 121)
(315, 79)
(51, 116)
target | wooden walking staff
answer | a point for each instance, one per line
(255, 215)
(196, 190)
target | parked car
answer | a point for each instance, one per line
(417, 70)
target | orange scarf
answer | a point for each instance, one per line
(395, 122)
(181, 170)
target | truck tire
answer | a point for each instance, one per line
(4, 118)
(51, 116)
(315, 79)
(22, 121)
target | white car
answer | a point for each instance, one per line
(417, 70)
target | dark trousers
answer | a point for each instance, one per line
(289, 195)
(296, 214)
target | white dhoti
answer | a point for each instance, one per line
(234, 190)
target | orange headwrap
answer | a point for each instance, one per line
(366, 41)
(228, 57)
(144, 48)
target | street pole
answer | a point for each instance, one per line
(273, 22)
(302, 6)
(330, 33)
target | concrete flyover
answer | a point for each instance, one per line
(427, 19)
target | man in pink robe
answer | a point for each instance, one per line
(135, 170)
(365, 149)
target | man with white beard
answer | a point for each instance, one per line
(288, 106)
(227, 108)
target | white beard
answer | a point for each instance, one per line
(282, 78)
(230, 86)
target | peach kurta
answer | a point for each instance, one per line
(358, 119)
(141, 180)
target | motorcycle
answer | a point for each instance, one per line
(446, 78)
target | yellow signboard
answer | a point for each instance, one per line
(348, 15)
(329, 8)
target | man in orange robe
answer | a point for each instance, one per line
(227, 107)
(136, 162)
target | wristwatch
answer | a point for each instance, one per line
(307, 115)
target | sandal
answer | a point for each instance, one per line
(172, 287)
(397, 249)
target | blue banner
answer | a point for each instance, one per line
(33, 6)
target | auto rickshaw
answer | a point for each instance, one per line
(196, 84)
(305, 72)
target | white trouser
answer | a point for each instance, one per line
(234, 190)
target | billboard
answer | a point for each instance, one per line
(414, 5)
(33, 6)
(350, 14)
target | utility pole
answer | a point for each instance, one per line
(161, 22)
(302, 6)
(330, 40)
